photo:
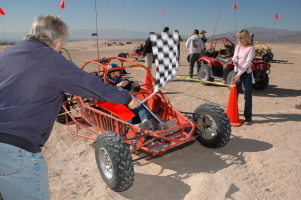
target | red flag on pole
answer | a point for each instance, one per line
(163, 12)
(276, 16)
(234, 6)
(2, 12)
(62, 4)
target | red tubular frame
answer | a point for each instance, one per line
(99, 119)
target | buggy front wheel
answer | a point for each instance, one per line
(114, 161)
(215, 133)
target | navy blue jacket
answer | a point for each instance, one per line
(33, 78)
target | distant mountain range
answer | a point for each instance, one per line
(267, 35)
(263, 34)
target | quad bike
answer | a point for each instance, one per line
(214, 65)
(115, 139)
(263, 51)
(218, 68)
(226, 48)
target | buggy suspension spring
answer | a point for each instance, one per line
(133, 145)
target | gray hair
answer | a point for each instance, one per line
(49, 29)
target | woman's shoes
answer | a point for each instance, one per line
(248, 122)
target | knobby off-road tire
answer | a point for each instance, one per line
(205, 74)
(216, 133)
(114, 161)
(266, 57)
(122, 55)
(271, 55)
(263, 84)
(188, 58)
(230, 80)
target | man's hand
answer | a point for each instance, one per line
(122, 83)
(135, 103)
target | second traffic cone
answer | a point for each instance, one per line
(232, 108)
(148, 80)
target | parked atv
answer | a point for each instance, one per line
(213, 67)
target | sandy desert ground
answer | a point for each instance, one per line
(261, 161)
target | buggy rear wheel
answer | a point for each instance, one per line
(61, 118)
(114, 161)
(205, 74)
(217, 130)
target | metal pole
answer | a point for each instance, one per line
(96, 31)
(3, 32)
(153, 114)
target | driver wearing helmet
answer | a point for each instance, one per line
(115, 79)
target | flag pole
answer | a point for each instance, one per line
(96, 31)
(217, 20)
(162, 22)
(276, 17)
(234, 7)
(62, 5)
(273, 33)
(4, 33)
(234, 28)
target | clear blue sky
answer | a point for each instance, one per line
(145, 15)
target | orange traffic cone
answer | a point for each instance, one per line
(232, 109)
(148, 80)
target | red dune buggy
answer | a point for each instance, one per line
(220, 47)
(136, 53)
(116, 139)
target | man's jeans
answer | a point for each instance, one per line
(23, 175)
(247, 85)
(194, 58)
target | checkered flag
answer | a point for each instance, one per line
(165, 51)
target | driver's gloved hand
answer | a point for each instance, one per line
(135, 103)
